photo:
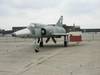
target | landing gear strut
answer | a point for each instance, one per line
(36, 47)
(65, 41)
(41, 42)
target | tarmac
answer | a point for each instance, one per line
(17, 57)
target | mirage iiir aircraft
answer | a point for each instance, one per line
(41, 31)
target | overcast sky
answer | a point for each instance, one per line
(85, 13)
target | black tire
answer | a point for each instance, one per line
(65, 44)
(41, 44)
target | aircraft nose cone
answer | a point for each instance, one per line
(13, 34)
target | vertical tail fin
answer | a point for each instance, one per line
(60, 21)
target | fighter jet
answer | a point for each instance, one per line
(41, 31)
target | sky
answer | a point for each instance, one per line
(84, 13)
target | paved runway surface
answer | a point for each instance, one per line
(17, 57)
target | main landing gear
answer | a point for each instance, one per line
(65, 41)
(41, 42)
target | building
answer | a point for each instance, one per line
(90, 30)
(14, 29)
(71, 28)
(91, 34)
